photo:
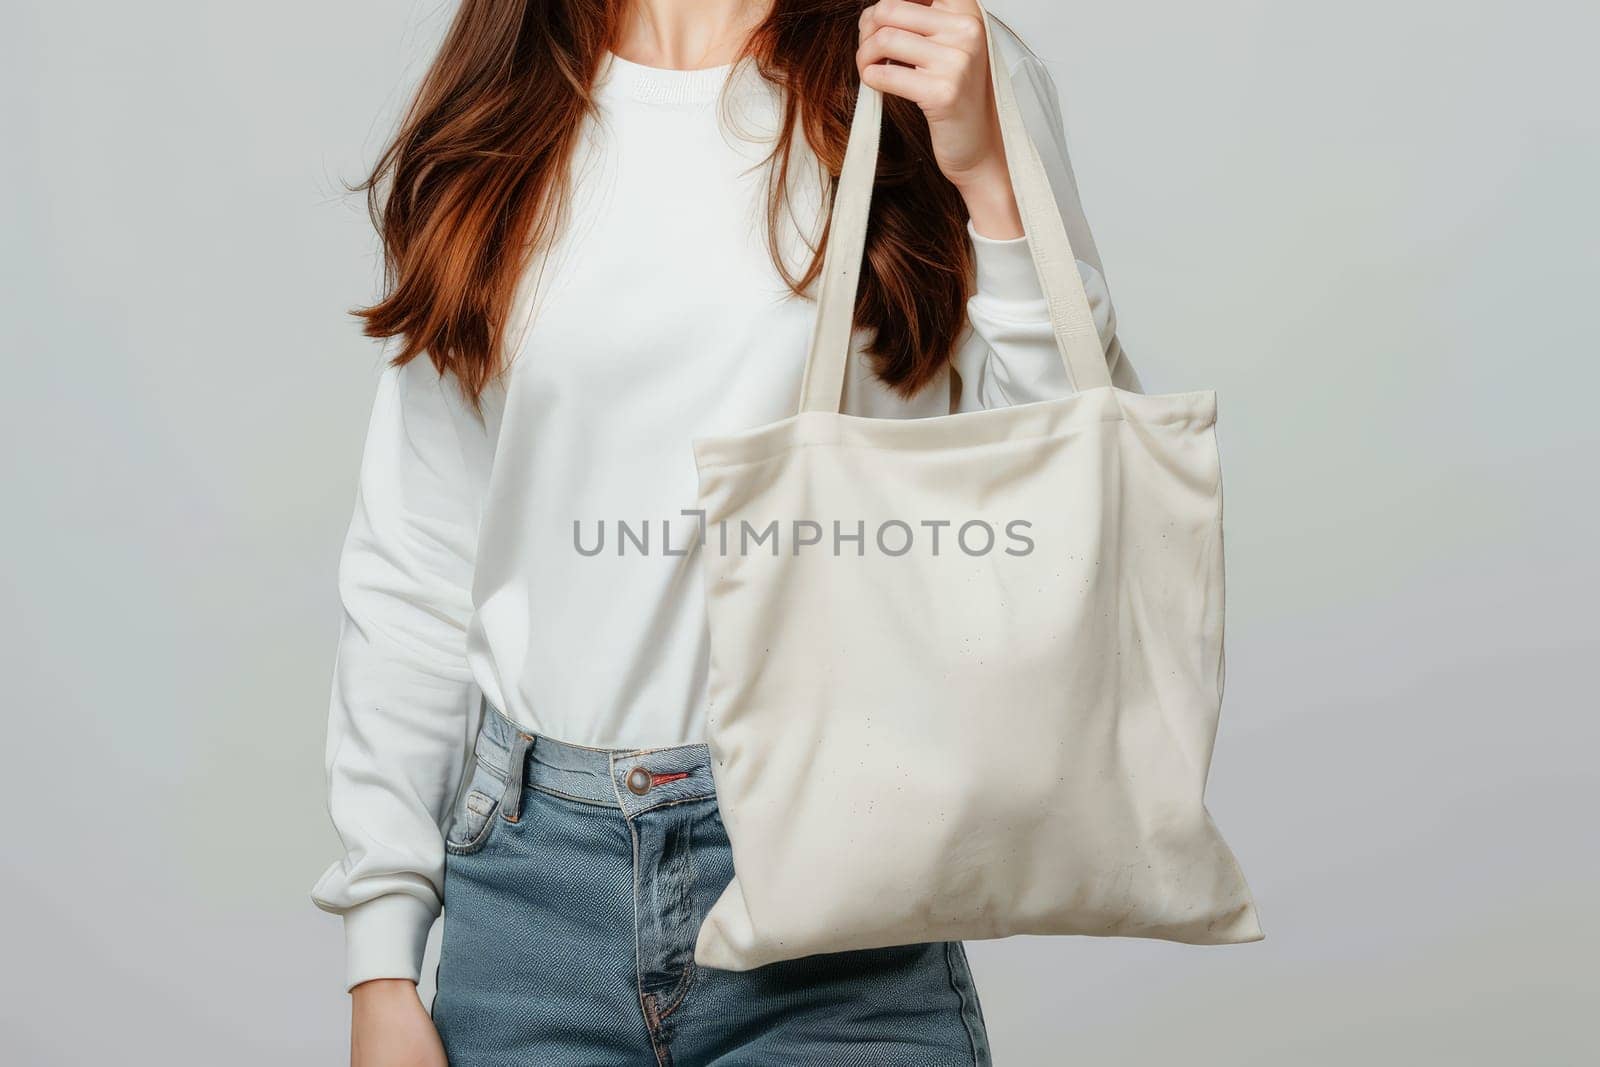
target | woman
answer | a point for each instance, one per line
(602, 219)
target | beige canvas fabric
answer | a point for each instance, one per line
(966, 671)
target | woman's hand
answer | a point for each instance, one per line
(389, 1027)
(937, 55)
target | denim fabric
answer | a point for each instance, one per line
(571, 908)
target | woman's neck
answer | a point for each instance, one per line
(687, 34)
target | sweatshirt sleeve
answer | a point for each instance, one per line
(403, 704)
(1009, 355)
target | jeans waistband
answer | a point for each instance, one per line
(633, 780)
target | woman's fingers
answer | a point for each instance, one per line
(935, 55)
(929, 91)
(950, 23)
(925, 54)
(905, 14)
(904, 46)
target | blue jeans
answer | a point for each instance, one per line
(576, 880)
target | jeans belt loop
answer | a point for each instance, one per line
(516, 769)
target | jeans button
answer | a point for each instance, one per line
(638, 781)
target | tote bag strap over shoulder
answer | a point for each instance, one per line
(1070, 316)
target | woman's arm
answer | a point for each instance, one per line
(937, 56)
(403, 703)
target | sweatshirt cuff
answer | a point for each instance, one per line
(1004, 268)
(385, 937)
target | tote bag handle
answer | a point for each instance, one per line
(1071, 318)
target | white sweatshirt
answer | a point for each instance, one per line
(657, 317)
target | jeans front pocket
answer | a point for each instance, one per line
(473, 820)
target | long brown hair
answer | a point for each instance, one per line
(474, 183)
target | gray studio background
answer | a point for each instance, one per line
(1369, 225)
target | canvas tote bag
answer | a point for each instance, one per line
(1007, 731)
